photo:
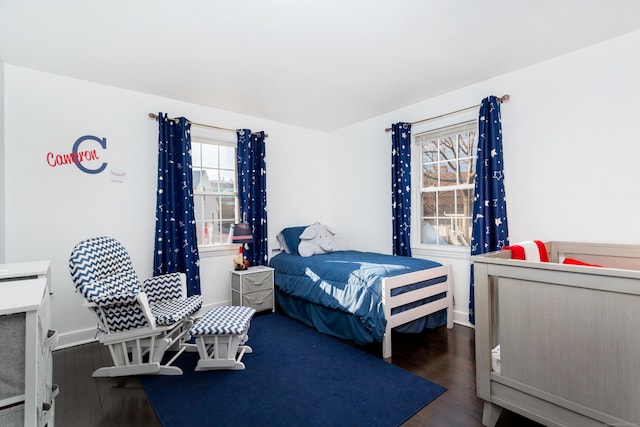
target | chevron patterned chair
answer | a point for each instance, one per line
(138, 322)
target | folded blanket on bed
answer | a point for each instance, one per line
(531, 250)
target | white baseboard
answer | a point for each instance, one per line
(462, 318)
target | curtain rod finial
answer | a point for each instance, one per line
(505, 98)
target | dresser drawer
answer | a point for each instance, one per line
(12, 416)
(253, 282)
(12, 355)
(262, 300)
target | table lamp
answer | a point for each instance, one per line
(240, 233)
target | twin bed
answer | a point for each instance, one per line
(362, 296)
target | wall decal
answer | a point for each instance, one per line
(77, 156)
(117, 175)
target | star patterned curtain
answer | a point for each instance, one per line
(490, 231)
(176, 246)
(401, 188)
(252, 193)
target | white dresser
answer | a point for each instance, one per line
(26, 390)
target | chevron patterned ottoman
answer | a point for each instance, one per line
(220, 337)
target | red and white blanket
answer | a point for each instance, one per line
(531, 250)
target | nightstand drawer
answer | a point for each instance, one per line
(253, 288)
(261, 300)
(256, 281)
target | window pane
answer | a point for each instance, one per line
(212, 203)
(429, 152)
(467, 169)
(446, 203)
(465, 202)
(228, 207)
(210, 156)
(227, 181)
(467, 143)
(429, 204)
(227, 157)
(197, 180)
(449, 173)
(430, 175)
(464, 207)
(431, 233)
(196, 155)
(206, 212)
(197, 205)
(225, 226)
(208, 180)
(447, 150)
(208, 234)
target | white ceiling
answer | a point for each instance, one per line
(317, 64)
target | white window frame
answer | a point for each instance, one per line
(216, 139)
(416, 180)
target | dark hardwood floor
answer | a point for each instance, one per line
(443, 356)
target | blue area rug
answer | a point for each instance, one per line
(295, 376)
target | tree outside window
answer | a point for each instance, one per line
(448, 173)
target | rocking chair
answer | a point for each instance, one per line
(138, 322)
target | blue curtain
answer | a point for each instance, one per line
(176, 246)
(252, 189)
(401, 188)
(490, 231)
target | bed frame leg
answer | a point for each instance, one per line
(490, 414)
(386, 345)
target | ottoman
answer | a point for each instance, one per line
(220, 337)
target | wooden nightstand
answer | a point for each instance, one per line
(253, 288)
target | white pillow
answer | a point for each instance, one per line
(283, 243)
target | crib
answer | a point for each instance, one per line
(568, 335)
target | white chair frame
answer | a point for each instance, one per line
(138, 322)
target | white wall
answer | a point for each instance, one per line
(571, 153)
(49, 209)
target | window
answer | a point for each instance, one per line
(447, 183)
(215, 194)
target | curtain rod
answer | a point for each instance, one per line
(502, 99)
(155, 116)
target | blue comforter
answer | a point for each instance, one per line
(350, 281)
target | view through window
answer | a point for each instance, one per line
(215, 193)
(447, 183)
